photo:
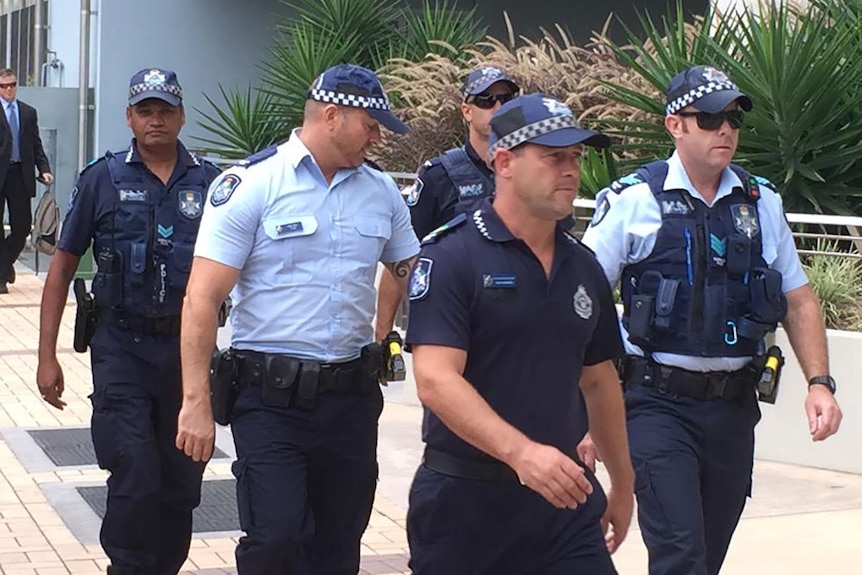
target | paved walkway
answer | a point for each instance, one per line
(799, 521)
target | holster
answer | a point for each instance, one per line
(223, 388)
(86, 316)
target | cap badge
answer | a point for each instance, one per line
(713, 75)
(556, 107)
(154, 78)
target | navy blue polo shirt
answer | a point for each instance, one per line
(478, 288)
(438, 199)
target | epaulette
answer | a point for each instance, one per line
(573, 240)
(259, 156)
(95, 161)
(444, 229)
(627, 181)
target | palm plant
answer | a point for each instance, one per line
(805, 132)
(244, 126)
(323, 33)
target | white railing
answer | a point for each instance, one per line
(844, 229)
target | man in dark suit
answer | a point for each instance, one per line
(21, 153)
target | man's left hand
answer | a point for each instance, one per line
(47, 178)
(824, 415)
(617, 518)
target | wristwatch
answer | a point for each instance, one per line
(826, 380)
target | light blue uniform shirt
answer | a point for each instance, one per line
(307, 252)
(627, 234)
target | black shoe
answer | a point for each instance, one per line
(3, 288)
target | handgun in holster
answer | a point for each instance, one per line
(223, 389)
(393, 358)
(770, 376)
(86, 316)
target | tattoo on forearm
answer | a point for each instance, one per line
(402, 269)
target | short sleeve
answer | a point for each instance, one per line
(778, 240)
(440, 295)
(79, 225)
(606, 343)
(231, 218)
(428, 200)
(402, 243)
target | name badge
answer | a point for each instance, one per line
(499, 281)
(133, 195)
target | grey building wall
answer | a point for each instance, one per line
(579, 17)
(207, 42)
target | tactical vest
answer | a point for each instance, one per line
(705, 290)
(144, 254)
(472, 184)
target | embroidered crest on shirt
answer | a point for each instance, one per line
(420, 279)
(190, 204)
(745, 220)
(224, 189)
(583, 303)
(674, 207)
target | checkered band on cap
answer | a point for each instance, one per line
(696, 94)
(352, 100)
(144, 87)
(531, 131)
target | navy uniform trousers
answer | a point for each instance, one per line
(153, 487)
(693, 461)
(305, 482)
(458, 526)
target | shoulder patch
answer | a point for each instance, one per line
(601, 211)
(373, 165)
(224, 189)
(412, 192)
(420, 279)
(259, 156)
(445, 229)
(626, 181)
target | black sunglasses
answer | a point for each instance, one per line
(487, 101)
(8, 85)
(711, 122)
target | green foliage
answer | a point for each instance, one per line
(837, 281)
(598, 170)
(323, 33)
(243, 126)
(801, 69)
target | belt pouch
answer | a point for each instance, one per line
(309, 375)
(278, 382)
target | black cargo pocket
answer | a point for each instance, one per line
(243, 499)
(103, 432)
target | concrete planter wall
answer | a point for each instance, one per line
(782, 434)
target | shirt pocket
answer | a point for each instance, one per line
(370, 237)
(291, 239)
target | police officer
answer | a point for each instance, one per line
(508, 313)
(297, 232)
(455, 181)
(140, 210)
(707, 267)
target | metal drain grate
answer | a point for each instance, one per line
(216, 513)
(73, 446)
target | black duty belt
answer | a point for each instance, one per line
(729, 385)
(454, 466)
(165, 325)
(338, 377)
